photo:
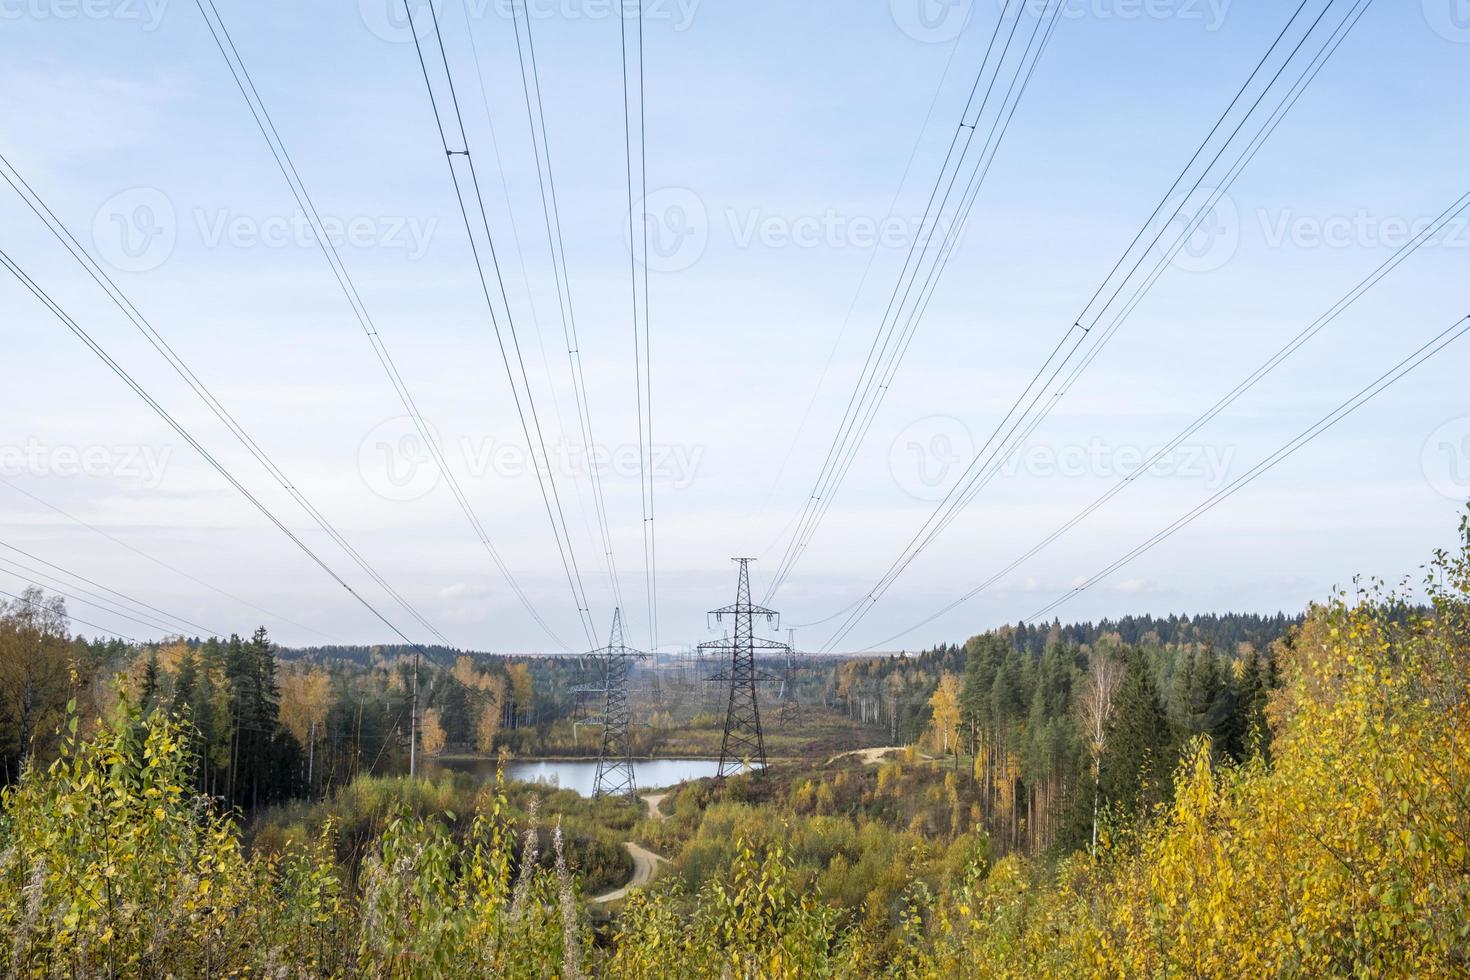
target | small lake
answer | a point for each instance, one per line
(580, 775)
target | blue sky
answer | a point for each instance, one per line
(778, 137)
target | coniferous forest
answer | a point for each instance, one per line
(1215, 796)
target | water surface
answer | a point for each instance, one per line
(580, 775)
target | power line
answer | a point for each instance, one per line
(1433, 346)
(82, 578)
(174, 424)
(642, 349)
(261, 114)
(99, 275)
(71, 618)
(891, 340)
(856, 295)
(991, 457)
(30, 576)
(524, 401)
(160, 562)
(1225, 401)
(551, 214)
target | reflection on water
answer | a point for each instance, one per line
(580, 775)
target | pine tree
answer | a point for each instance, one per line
(1138, 760)
(150, 681)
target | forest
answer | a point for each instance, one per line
(1213, 796)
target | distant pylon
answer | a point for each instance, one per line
(615, 757)
(790, 713)
(743, 743)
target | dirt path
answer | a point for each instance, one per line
(868, 756)
(645, 862)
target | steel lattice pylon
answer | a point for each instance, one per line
(790, 707)
(743, 743)
(615, 757)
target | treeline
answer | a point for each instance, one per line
(261, 724)
(1341, 852)
(1223, 631)
(1060, 727)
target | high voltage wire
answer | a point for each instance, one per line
(82, 578)
(1433, 346)
(62, 234)
(73, 619)
(642, 350)
(852, 304)
(926, 292)
(1229, 398)
(990, 458)
(515, 236)
(525, 402)
(551, 214)
(261, 114)
(117, 369)
(30, 577)
(160, 562)
(891, 341)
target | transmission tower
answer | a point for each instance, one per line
(743, 743)
(790, 708)
(615, 757)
